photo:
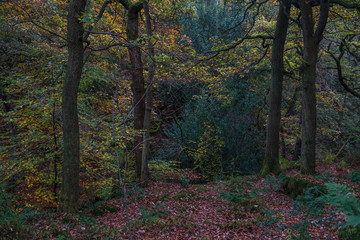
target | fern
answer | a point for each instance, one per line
(340, 196)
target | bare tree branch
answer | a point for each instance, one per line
(341, 78)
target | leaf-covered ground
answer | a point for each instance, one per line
(244, 208)
(171, 207)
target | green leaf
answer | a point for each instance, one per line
(87, 20)
(352, 221)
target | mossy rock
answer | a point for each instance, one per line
(295, 187)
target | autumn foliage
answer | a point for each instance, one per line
(207, 65)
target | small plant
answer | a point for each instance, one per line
(86, 220)
(100, 208)
(355, 176)
(233, 225)
(268, 217)
(238, 183)
(340, 196)
(164, 197)
(157, 211)
(201, 188)
(235, 198)
(63, 235)
(184, 181)
(272, 182)
(240, 201)
(352, 156)
(98, 231)
(343, 164)
(349, 233)
(284, 163)
(302, 229)
(252, 178)
(14, 225)
(310, 200)
(325, 176)
(185, 194)
(329, 157)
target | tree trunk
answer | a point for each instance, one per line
(271, 160)
(132, 31)
(148, 98)
(71, 162)
(57, 157)
(311, 40)
(11, 126)
(297, 150)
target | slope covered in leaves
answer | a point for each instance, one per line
(178, 207)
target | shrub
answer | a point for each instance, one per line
(355, 176)
(329, 157)
(217, 136)
(207, 157)
(157, 211)
(240, 201)
(349, 233)
(311, 201)
(284, 163)
(340, 196)
(100, 208)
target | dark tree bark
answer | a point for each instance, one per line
(341, 77)
(271, 160)
(311, 40)
(137, 77)
(297, 150)
(350, 4)
(57, 156)
(138, 87)
(7, 108)
(71, 162)
(290, 112)
(148, 98)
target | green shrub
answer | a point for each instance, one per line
(6, 201)
(343, 164)
(355, 176)
(218, 137)
(240, 200)
(100, 208)
(268, 218)
(310, 200)
(157, 211)
(233, 197)
(284, 163)
(184, 181)
(273, 183)
(303, 230)
(86, 220)
(349, 233)
(353, 156)
(15, 224)
(340, 196)
(329, 157)
(185, 194)
(207, 157)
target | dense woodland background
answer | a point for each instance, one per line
(121, 99)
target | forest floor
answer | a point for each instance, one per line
(171, 207)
